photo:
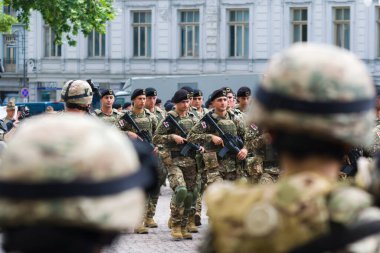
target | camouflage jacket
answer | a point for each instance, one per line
(112, 119)
(376, 138)
(160, 114)
(165, 129)
(277, 218)
(145, 121)
(202, 133)
(254, 139)
(197, 114)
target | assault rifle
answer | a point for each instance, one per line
(188, 145)
(143, 134)
(232, 143)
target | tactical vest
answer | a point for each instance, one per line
(186, 123)
(143, 121)
(227, 125)
(112, 119)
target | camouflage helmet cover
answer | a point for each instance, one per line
(317, 89)
(77, 92)
(83, 150)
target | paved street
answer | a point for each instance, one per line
(159, 239)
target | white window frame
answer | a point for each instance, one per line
(341, 23)
(102, 41)
(48, 43)
(236, 24)
(148, 43)
(193, 26)
(300, 23)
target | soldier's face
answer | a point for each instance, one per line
(220, 104)
(244, 101)
(150, 101)
(183, 106)
(231, 100)
(108, 100)
(139, 102)
(197, 102)
(10, 113)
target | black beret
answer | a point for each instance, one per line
(180, 95)
(107, 92)
(150, 92)
(168, 106)
(116, 106)
(137, 92)
(126, 105)
(197, 93)
(189, 89)
(228, 90)
(158, 101)
(244, 92)
(218, 93)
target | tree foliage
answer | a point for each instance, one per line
(6, 21)
(67, 17)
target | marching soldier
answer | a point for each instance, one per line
(243, 99)
(313, 119)
(10, 109)
(106, 112)
(230, 166)
(147, 122)
(182, 172)
(77, 95)
(151, 99)
(196, 106)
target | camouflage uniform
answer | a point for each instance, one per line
(198, 114)
(112, 119)
(145, 121)
(182, 170)
(375, 147)
(308, 91)
(219, 169)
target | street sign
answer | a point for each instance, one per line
(25, 92)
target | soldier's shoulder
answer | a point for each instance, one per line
(97, 111)
(115, 111)
(158, 109)
(173, 113)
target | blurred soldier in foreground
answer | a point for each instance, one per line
(316, 102)
(72, 190)
(106, 112)
(375, 147)
(77, 95)
(11, 110)
(182, 172)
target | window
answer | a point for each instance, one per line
(142, 33)
(51, 48)
(189, 33)
(10, 46)
(238, 33)
(9, 10)
(342, 27)
(299, 25)
(96, 44)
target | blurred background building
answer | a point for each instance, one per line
(215, 42)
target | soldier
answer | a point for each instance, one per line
(196, 106)
(10, 109)
(312, 118)
(151, 99)
(106, 112)
(243, 98)
(146, 121)
(376, 130)
(229, 167)
(159, 103)
(231, 103)
(72, 189)
(77, 95)
(182, 171)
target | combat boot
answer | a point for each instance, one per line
(191, 225)
(141, 229)
(186, 234)
(150, 223)
(170, 224)
(197, 219)
(176, 233)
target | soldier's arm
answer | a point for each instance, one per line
(162, 134)
(199, 134)
(154, 124)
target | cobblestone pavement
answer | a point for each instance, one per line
(158, 240)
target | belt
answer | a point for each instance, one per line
(175, 154)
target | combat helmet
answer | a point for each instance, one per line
(78, 176)
(77, 92)
(317, 89)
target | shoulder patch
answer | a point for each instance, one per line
(203, 124)
(121, 122)
(253, 126)
(166, 124)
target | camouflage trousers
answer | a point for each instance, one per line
(153, 197)
(257, 174)
(182, 173)
(218, 170)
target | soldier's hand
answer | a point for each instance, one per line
(201, 149)
(217, 140)
(134, 136)
(178, 139)
(242, 154)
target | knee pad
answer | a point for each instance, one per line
(180, 194)
(189, 200)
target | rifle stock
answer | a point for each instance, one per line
(143, 134)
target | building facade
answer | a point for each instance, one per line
(218, 38)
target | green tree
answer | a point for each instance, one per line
(67, 17)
